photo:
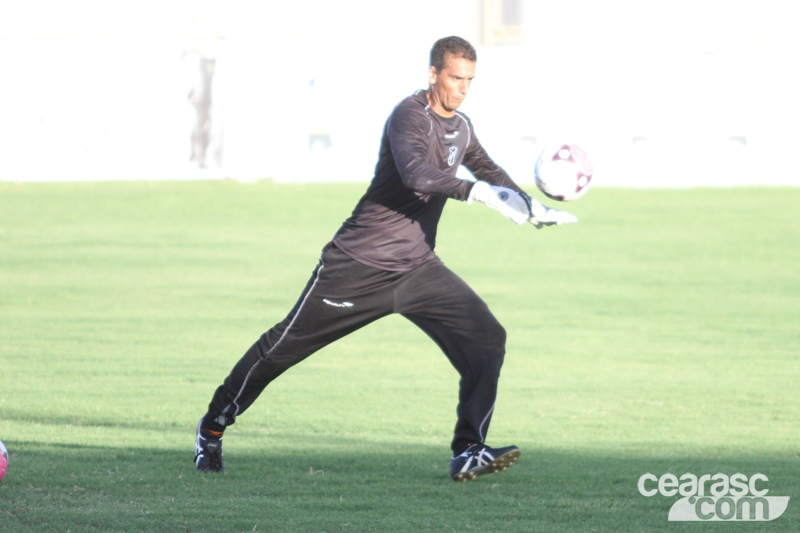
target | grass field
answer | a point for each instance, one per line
(660, 334)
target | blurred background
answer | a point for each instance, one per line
(677, 93)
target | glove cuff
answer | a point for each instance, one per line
(478, 192)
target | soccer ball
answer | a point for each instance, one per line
(564, 172)
(3, 460)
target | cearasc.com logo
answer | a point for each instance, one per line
(715, 497)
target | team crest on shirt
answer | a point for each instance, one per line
(452, 157)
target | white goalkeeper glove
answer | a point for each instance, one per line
(518, 207)
(508, 201)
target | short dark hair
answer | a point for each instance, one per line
(453, 46)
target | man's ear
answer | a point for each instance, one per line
(432, 75)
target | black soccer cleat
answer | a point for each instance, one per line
(480, 459)
(208, 451)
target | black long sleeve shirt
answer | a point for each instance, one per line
(393, 226)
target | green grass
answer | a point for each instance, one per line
(660, 334)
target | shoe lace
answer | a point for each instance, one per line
(474, 449)
(477, 455)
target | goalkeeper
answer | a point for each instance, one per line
(382, 261)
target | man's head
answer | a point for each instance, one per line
(451, 71)
(454, 47)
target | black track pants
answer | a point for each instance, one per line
(344, 295)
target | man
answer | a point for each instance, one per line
(382, 261)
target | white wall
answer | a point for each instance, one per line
(660, 93)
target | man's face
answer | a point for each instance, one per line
(450, 85)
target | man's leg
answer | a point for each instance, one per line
(441, 303)
(341, 296)
(459, 321)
